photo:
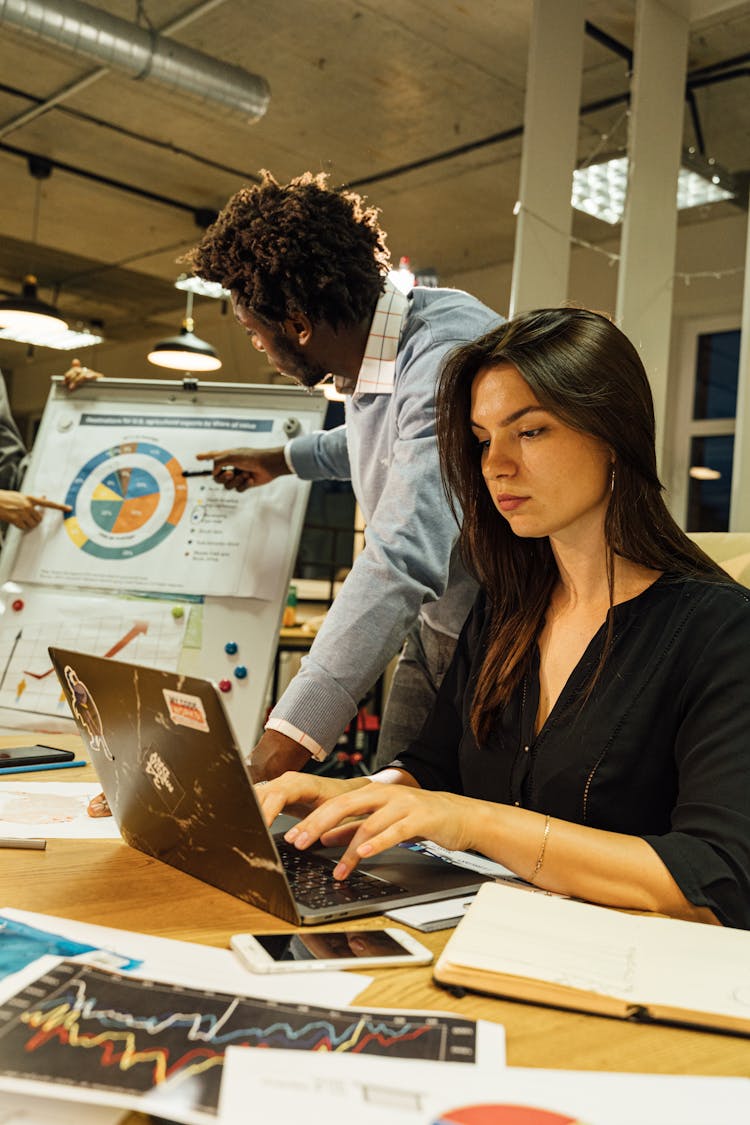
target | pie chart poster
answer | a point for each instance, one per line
(137, 523)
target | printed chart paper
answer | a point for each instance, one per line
(54, 810)
(189, 963)
(81, 1029)
(322, 1090)
(22, 944)
(137, 524)
(137, 630)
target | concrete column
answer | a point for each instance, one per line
(739, 511)
(550, 145)
(649, 232)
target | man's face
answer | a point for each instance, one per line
(283, 352)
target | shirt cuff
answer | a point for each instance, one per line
(289, 465)
(283, 727)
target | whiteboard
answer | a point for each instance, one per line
(152, 567)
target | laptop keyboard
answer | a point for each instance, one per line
(312, 882)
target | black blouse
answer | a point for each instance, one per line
(660, 749)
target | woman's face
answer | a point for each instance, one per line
(544, 478)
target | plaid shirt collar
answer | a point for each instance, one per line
(379, 362)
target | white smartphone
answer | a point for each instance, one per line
(328, 949)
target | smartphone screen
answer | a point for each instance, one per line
(330, 945)
(33, 756)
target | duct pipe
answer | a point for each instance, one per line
(93, 34)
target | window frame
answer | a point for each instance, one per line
(683, 427)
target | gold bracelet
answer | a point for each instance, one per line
(543, 848)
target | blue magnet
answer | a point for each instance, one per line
(240, 672)
(230, 648)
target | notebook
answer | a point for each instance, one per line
(544, 949)
(170, 767)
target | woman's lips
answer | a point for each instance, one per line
(507, 503)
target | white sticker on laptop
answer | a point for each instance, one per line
(185, 710)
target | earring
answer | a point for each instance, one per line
(612, 479)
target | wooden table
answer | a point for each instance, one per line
(108, 883)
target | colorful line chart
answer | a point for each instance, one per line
(126, 499)
(83, 1026)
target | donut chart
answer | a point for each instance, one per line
(126, 500)
(504, 1115)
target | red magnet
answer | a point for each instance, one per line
(225, 685)
(17, 604)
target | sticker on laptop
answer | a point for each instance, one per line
(185, 710)
(162, 778)
(86, 712)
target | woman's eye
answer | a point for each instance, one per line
(532, 433)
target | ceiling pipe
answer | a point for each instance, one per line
(143, 53)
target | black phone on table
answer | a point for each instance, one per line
(33, 756)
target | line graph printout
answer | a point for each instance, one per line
(87, 1029)
(138, 630)
(137, 523)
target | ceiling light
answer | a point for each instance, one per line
(66, 339)
(202, 287)
(186, 352)
(600, 189)
(402, 278)
(27, 313)
(702, 472)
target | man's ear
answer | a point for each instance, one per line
(299, 328)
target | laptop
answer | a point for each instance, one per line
(170, 768)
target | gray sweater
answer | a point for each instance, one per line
(13, 457)
(409, 565)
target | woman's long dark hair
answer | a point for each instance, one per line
(584, 370)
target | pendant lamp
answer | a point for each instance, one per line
(185, 352)
(27, 313)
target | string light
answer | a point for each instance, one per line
(613, 257)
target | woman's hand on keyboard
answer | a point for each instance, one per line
(371, 817)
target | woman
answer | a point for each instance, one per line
(593, 733)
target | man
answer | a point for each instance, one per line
(17, 507)
(306, 266)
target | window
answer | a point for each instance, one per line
(703, 425)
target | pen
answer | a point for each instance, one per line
(33, 845)
(49, 766)
(206, 472)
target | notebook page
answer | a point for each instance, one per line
(695, 966)
(549, 939)
(641, 959)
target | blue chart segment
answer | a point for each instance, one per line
(84, 1026)
(126, 500)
